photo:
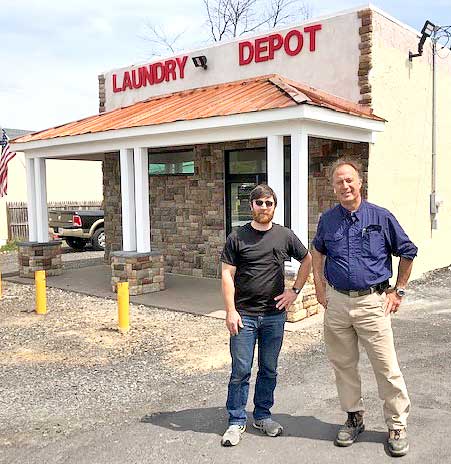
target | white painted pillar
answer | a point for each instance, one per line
(141, 161)
(42, 219)
(299, 184)
(31, 200)
(128, 200)
(276, 174)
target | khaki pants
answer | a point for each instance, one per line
(349, 320)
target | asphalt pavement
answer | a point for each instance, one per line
(306, 405)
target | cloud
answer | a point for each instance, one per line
(55, 50)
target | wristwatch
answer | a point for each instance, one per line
(296, 290)
(400, 291)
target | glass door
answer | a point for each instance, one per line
(245, 169)
(239, 203)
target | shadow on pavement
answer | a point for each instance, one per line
(214, 420)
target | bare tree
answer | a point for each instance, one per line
(232, 18)
(161, 41)
(218, 18)
(281, 12)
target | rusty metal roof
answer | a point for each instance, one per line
(244, 96)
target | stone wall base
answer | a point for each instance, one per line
(306, 304)
(37, 256)
(143, 271)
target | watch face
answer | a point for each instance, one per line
(296, 290)
(400, 292)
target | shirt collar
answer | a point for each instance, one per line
(358, 214)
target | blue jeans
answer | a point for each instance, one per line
(268, 330)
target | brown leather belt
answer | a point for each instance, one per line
(379, 288)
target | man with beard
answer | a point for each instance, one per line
(351, 265)
(256, 299)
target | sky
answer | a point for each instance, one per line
(51, 51)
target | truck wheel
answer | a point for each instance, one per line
(98, 239)
(75, 243)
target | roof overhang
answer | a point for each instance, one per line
(316, 121)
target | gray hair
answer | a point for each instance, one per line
(346, 162)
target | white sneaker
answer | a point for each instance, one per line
(232, 435)
(269, 427)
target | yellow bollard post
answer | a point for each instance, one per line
(41, 299)
(123, 302)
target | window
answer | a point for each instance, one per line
(171, 163)
(248, 161)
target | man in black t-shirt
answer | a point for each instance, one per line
(256, 299)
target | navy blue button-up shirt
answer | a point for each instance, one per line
(358, 246)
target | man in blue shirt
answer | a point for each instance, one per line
(352, 263)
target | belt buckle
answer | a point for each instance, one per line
(354, 293)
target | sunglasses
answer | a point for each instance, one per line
(268, 203)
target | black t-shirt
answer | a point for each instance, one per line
(259, 260)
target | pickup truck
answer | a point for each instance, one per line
(79, 227)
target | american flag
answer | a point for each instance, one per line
(5, 157)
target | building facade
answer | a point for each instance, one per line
(182, 145)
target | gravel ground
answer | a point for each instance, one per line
(71, 370)
(8, 261)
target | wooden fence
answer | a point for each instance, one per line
(17, 216)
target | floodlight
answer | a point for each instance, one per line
(200, 61)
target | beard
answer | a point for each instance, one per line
(262, 218)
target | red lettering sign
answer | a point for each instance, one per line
(170, 70)
(181, 62)
(136, 78)
(158, 73)
(261, 49)
(298, 42)
(246, 52)
(265, 48)
(311, 30)
(147, 76)
(151, 74)
(115, 87)
(275, 43)
(127, 83)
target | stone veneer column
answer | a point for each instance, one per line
(365, 60)
(36, 256)
(187, 214)
(143, 271)
(102, 94)
(106, 170)
(112, 204)
(306, 304)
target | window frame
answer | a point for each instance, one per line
(171, 152)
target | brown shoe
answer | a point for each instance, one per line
(348, 433)
(398, 445)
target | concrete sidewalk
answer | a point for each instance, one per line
(183, 293)
(194, 295)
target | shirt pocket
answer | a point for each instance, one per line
(373, 241)
(335, 244)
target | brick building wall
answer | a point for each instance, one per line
(187, 211)
(187, 215)
(322, 154)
